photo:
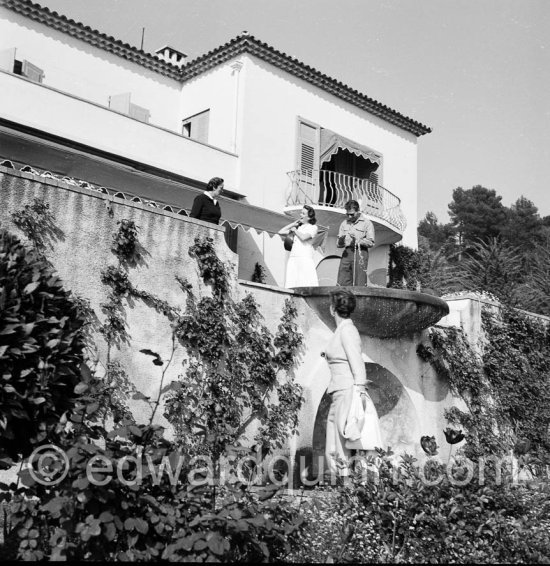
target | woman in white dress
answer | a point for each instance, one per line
(300, 268)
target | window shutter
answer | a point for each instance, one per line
(32, 72)
(139, 113)
(308, 157)
(308, 161)
(7, 59)
(120, 102)
(201, 127)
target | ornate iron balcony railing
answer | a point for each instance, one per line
(327, 188)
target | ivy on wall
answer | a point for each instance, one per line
(238, 372)
(506, 386)
(246, 375)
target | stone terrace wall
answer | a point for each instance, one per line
(84, 251)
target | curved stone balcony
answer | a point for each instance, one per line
(328, 192)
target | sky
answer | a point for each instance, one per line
(476, 71)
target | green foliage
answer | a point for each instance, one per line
(401, 512)
(486, 247)
(524, 227)
(477, 213)
(404, 267)
(506, 386)
(41, 348)
(140, 514)
(258, 276)
(437, 235)
(131, 510)
(38, 224)
(212, 270)
(534, 293)
(237, 372)
(491, 266)
(126, 245)
(423, 269)
(516, 360)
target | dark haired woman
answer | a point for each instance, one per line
(206, 206)
(300, 268)
(347, 370)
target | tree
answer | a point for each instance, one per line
(436, 234)
(534, 295)
(493, 267)
(524, 225)
(477, 213)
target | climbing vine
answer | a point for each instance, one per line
(506, 385)
(237, 373)
(134, 514)
(38, 224)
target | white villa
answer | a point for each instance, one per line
(103, 131)
(156, 127)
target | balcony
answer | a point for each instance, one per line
(329, 191)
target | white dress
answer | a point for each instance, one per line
(300, 268)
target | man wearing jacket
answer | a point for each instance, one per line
(356, 236)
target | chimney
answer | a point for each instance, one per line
(171, 55)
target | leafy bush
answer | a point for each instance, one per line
(41, 348)
(408, 514)
(144, 499)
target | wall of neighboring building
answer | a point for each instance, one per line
(74, 66)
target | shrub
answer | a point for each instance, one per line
(41, 348)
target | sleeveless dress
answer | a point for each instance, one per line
(300, 268)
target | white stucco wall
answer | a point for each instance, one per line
(265, 103)
(217, 91)
(25, 102)
(273, 101)
(75, 66)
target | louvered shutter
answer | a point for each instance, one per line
(308, 157)
(32, 72)
(308, 160)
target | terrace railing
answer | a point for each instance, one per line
(327, 188)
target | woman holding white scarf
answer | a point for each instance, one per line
(348, 377)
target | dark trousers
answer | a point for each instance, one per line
(353, 267)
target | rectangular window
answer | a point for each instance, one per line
(196, 126)
(21, 67)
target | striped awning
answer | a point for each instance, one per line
(331, 142)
